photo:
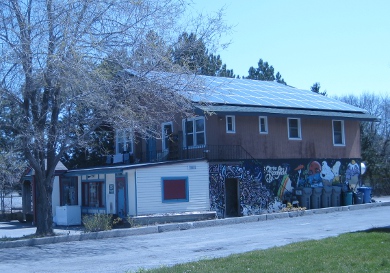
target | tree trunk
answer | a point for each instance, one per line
(44, 214)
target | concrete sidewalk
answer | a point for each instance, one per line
(15, 229)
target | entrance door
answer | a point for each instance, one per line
(121, 197)
(151, 152)
(232, 197)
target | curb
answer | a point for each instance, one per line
(182, 226)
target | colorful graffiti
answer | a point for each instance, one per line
(267, 185)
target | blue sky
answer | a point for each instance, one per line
(342, 44)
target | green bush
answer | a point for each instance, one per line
(97, 222)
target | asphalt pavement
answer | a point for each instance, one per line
(154, 246)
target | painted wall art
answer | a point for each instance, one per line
(268, 185)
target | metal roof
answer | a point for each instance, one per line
(122, 167)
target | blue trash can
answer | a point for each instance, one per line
(366, 194)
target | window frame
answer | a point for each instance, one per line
(171, 181)
(231, 130)
(124, 138)
(342, 132)
(265, 125)
(164, 136)
(299, 129)
(194, 132)
(85, 197)
(69, 181)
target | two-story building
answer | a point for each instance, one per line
(261, 140)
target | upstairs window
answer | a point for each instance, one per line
(294, 128)
(338, 133)
(194, 132)
(124, 141)
(230, 124)
(263, 125)
(167, 129)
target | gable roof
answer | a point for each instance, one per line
(245, 96)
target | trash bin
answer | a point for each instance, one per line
(366, 194)
(326, 199)
(358, 197)
(316, 197)
(347, 198)
(336, 193)
(303, 195)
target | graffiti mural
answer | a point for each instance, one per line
(268, 185)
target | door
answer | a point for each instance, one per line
(121, 197)
(232, 198)
(151, 152)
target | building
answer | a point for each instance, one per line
(262, 140)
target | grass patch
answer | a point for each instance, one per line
(353, 252)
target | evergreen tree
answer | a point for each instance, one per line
(316, 89)
(264, 72)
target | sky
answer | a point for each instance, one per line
(342, 44)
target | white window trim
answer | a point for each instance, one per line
(233, 124)
(184, 132)
(342, 133)
(266, 125)
(123, 136)
(163, 136)
(299, 129)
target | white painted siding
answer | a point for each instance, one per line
(149, 192)
(55, 194)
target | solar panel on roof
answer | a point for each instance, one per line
(247, 92)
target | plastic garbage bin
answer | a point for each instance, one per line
(326, 199)
(303, 195)
(366, 194)
(336, 196)
(347, 198)
(316, 197)
(357, 197)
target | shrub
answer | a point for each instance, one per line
(97, 222)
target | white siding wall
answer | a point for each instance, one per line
(149, 192)
(55, 194)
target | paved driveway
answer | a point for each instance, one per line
(169, 248)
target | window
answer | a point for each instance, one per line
(166, 134)
(124, 142)
(69, 191)
(194, 130)
(338, 133)
(263, 125)
(93, 194)
(175, 189)
(230, 124)
(294, 128)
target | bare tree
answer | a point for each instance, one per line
(375, 136)
(53, 92)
